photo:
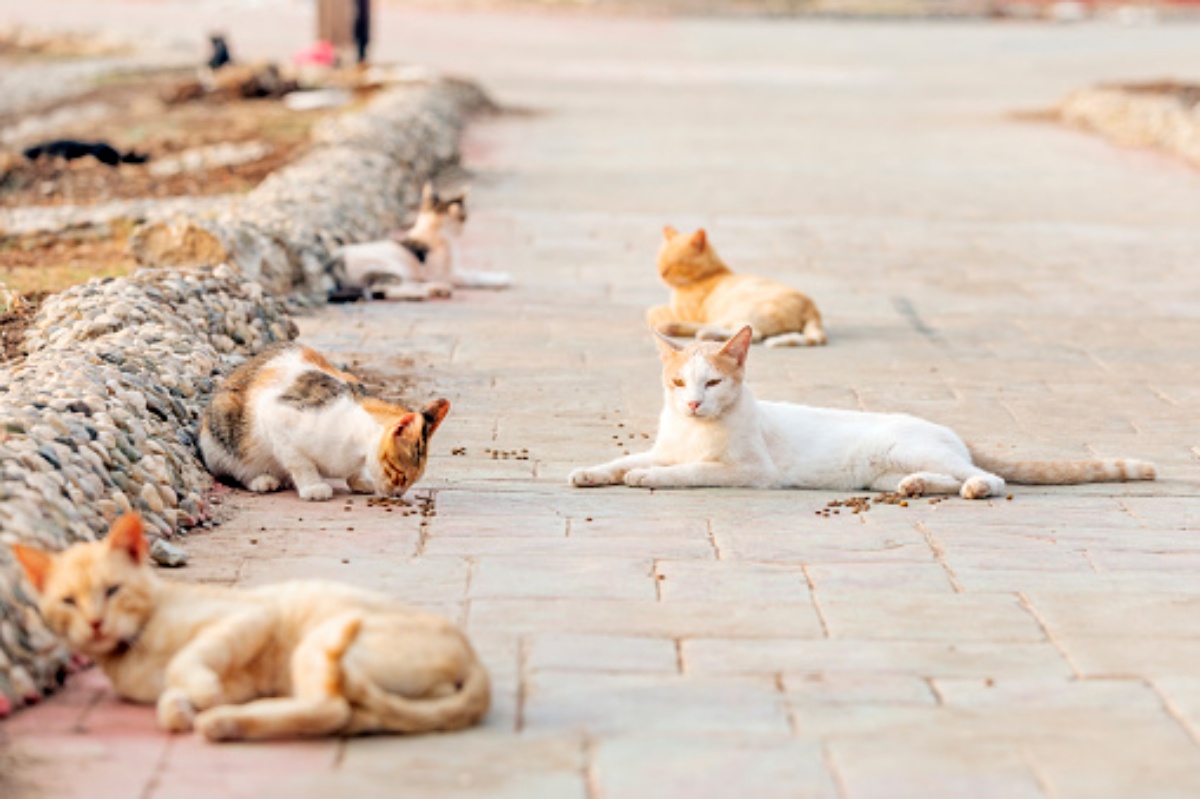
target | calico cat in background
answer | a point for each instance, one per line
(287, 416)
(296, 659)
(418, 264)
(709, 301)
(713, 432)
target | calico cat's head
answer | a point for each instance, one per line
(450, 211)
(704, 379)
(97, 596)
(403, 447)
(683, 260)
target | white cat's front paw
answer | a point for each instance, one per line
(590, 478)
(264, 484)
(175, 711)
(982, 488)
(220, 724)
(316, 492)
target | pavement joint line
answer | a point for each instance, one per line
(812, 591)
(522, 682)
(792, 721)
(1045, 628)
(1178, 716)
(933, 689)
(591, 779)
(680, 663)
(835, 774)
(712, 540)
(939, 555)
(1087, 556)
(1035, 770)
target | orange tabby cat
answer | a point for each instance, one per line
(287, 660)
(709, 301)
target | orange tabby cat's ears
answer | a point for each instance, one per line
(700, 240)
(669, 233)
(126, 535)
(434, 413)
(35, 562)
(738, 347)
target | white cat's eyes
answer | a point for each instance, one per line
(112, 589)
(711, 383)
(678, 383)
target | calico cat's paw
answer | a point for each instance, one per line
(264, 484)
(175, 711)
(590, 478)
(316, 492)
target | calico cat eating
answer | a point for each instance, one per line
(287, 416)
(418, 264)
(709, 301)
(296, 659)
(713, 432)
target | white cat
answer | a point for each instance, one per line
(713, 432)
(418, 264)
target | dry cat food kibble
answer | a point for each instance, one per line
(459, 451)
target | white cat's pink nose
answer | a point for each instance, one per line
(693, 406)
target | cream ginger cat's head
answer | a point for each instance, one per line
(97, 596)
(403, 446)
(683, 260)
(704, 380)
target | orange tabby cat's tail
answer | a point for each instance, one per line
(1097, 470)
(395, 713)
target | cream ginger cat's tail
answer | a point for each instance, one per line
(1096, 470)
(378, 710)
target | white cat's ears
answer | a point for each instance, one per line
(738, 347)
(669, 233)
(35, 562)
(434, 413)
(666, 346)
(127, 535)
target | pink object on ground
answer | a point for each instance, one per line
(5, 707)
(321, 54)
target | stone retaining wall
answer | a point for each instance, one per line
(102, 416)
(1141, 116)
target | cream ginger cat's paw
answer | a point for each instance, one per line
(264, 484)
(175, 711)
(220, 724)
(644, 478)
(316, 492)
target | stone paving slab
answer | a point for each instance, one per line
(1031, 286)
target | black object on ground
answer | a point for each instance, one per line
(71, 149)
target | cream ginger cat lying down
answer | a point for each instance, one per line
(288, 416)
(296, 659)
(710, 301)
(713, 432)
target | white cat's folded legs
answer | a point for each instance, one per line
(977, 485)
(469, 279)
(417, 291)
(611, 473)
(264, 484)
(693, 475)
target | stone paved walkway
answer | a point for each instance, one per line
(1034, 287)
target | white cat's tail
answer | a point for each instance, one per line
(377, 710)
(1096, 470)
